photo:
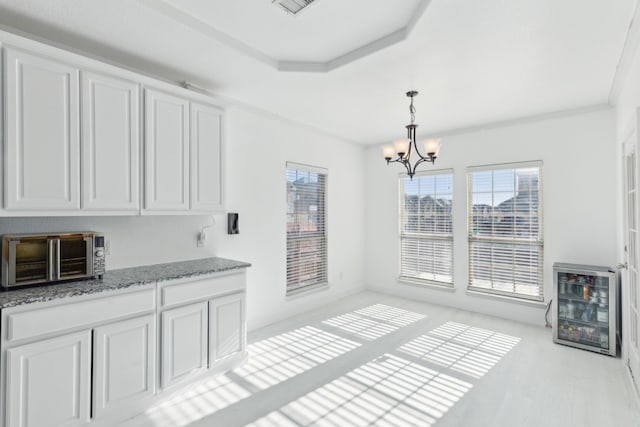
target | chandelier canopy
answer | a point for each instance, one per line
(405, 147)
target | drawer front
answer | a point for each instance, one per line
(201, 289)
(41, 321)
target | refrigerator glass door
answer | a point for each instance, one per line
(583, 309)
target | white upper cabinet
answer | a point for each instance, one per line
(206, 158)
(41, 139)
(110, 143)
(83, 137)
(166, 124)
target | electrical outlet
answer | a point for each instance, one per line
(107, 247)
(202, 240)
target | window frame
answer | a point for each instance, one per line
(324, 236)
(401, 234)
(539, 242)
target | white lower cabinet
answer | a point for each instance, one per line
(104, 364)
(227, 330)
(48, 382)
(124, 363)
(184, 343)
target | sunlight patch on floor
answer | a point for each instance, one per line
(388, 391)
(463, 348)
(197, 402)
(270, 362)
(284, 356)
(374, 321)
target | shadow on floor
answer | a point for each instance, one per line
(379, 364)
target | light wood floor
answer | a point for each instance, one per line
(377, 360)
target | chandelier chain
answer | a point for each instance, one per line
(412, 111)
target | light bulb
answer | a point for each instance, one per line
(388, 151)
(401, 146)
(432, 147)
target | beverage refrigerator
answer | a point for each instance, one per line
(585, 307)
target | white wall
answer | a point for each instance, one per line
(257, 147)
(628, 99)
(627, 104)
(579, 196)
(134, 240)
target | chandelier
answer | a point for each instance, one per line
(405, 147)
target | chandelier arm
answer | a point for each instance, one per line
(418, 151)
(422, 160)
(407, 165)
(404, 163)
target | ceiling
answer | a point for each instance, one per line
(473, 61)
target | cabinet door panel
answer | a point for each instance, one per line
(42, 145)
(110, 143)
(227, 327)
(124, 363)
(206, 158)
(166, 152)
(48, 382)
(184, 342)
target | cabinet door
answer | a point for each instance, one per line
(184, 343)
(166, 152)
(206, 158)
(124, 363)
(48, 382)
(110, 143)
(42, 144)
(227, 327)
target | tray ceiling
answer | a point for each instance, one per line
(327, 35)
(473, 62)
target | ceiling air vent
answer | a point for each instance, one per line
(292, 7)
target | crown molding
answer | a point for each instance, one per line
(525, 119)
(369, 48)
(627, 54)
(211, 32)
(512, 122)
(207, 30)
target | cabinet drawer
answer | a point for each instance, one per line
(41, 321)
(201, 289)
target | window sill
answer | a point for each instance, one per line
(307, 290)
(426, 284)
(521, 301)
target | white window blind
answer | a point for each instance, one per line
(306, 227)
(426, 234)
(505, 230)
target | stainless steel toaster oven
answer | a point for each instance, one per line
(29, 259)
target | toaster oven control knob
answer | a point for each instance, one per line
(99, 253)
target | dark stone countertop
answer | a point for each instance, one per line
(117, 279)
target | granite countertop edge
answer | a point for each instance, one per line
(119, 279)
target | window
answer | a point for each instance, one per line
(505, 230)
(306, 227)
(426, 236)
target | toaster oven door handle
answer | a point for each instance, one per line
(11, 266)
(88, 244)
(53, 266)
